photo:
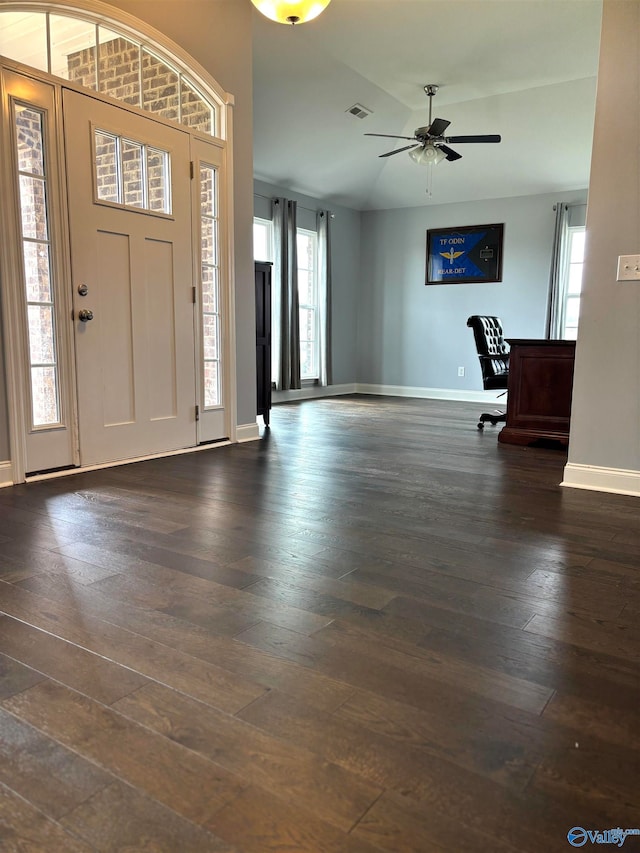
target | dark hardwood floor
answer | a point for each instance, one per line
(376, 629)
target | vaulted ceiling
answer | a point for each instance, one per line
(523, 68)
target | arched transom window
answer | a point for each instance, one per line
(108, 60)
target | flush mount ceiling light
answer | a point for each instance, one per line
(291, 11)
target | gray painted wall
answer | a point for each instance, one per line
(346, 273)
(410, 334)
(389, 328)
(605, 421)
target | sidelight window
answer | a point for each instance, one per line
(210, 276)
(36, 254)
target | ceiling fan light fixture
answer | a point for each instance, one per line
(428, 154)
(291, 11)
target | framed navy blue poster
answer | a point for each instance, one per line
(471, 254)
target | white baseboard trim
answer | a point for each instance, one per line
(6, 474)
(459, 395)
(616, 480)
(312, 392)
(247, 432)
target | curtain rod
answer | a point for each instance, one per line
(570, 204)
(333, 216)
(301, 206)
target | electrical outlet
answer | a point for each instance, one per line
(461, 371)
(629, 268)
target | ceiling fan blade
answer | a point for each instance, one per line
(488, 137)
(398, 150)
(451, 154)
(390, 135)
(438, 126)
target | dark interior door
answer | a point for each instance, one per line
(263, 338)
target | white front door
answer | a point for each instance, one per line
(132, 281)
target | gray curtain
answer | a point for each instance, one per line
(557, 278)
(285, 334)
(324, 294)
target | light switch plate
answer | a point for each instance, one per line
(629, 268)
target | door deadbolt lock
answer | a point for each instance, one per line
(83, 289)
(85, 315)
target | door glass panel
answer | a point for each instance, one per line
(158, 178)
(131, 173)
(208, 196)
(132, 183)
(36, 272)
(160, 87)
(210, 290)
(41, 346)
(44, 395)
(209, 238)
(97, 57)
(196, 112)
(210, 337)
(29, 141)
(118, 67)
(29, 137)
(209, 242)
(211, 385)
(107, 167)
(23, 36)
(33, 207)
(73, 50)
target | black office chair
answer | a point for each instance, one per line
(493, 353)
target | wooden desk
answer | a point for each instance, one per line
(539, 393)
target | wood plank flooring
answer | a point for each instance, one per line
(376, 629)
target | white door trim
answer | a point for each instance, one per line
(45, 96)
(14, 335)
(231, 394)
(215, 154)
(12, 322)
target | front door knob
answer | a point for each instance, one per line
(85, 315)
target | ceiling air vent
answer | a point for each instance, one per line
(359, 111)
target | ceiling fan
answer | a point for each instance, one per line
(429, 144)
